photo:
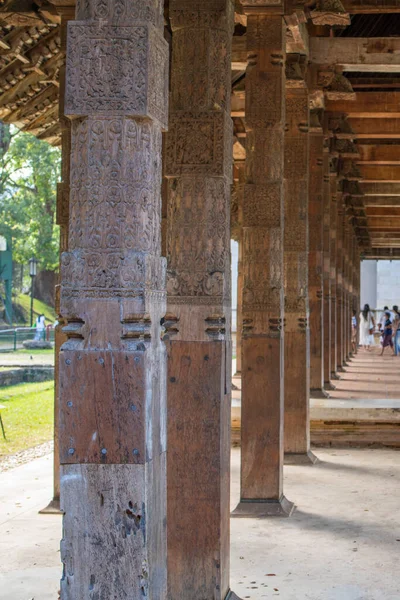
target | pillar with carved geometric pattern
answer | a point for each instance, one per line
(297, 332)
(263, 300)
(316, 256)
(112, 366)
(198, 320)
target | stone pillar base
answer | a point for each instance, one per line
(335, 376)
(303, 458)
(318, 393)
(330, 386)
(232, 596)
(53, 508)
(341, 370)
(261, 509)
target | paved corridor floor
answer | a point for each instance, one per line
(369, 375)
(342, 543)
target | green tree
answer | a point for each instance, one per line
(29, 171)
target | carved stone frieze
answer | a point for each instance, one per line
(198, 213)
(112, 366)
(115, 70)
(216, 14)
(199, 144)
(121, 12)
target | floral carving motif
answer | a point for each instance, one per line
(116, 70)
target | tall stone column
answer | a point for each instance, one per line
(348, 290)
(62, 212)
(237, 234)
(239, 312)
(263, 300)
(316, 256)
(198, 320)
(327, 269)
(112, 367)
(339, 283)
(297, 332)
(333, 273)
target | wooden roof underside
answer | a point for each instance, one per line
(367, 51)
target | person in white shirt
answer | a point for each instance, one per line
(367, 325)
(40, 327)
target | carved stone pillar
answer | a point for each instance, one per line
(297, 333)
(347, 315)
(339, 283)
(62, 212)
(316, 256)
(198, 320)
(112, 368)
(239, 312)
(333, 273)
(327, 281)
(237, 234)
(263, 300)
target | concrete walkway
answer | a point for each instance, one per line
(342, 543)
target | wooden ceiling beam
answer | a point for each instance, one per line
(383, 211)
(381, 201)
(382, 105)
(384, 222)
(380, 173)
(375, 128)
(380, 188)
(368, 7)
(370, 55)
(379, 154)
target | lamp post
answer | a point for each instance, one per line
(32, 272)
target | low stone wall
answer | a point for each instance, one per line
(26, 375)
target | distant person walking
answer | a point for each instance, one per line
(40, 327)
(396, 329)
(367, 325)
(387, 333)
(382, 320)
(354, 332)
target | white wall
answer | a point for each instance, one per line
(234, 271)
(380, 283)
(388, 283)
(369, 278)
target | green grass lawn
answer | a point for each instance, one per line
(24, 300)
(28, 417)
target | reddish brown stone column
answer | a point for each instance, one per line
(327, 269)
(198, 320)
(263, 301)
(239, 312)
(339, 283)
(237, 234)
(333, 273)
(112, 368)
(297, 333)
(62, 212)
(347, 291)
(316, 256)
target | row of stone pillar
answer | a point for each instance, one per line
(140, 330)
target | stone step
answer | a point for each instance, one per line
(343, 422)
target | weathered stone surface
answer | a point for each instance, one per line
(316, 258)
(199, 170)
(297, 332)
(112, 366)
(263, 274)
(37, 345)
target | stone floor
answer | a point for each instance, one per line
(369, 375)
(342, 543)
